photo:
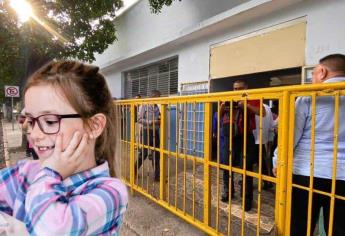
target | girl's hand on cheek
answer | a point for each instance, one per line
(68, 161)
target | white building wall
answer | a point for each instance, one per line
(114, 83)
(145, 38)
(140, 30)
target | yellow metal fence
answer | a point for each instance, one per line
(189, 182)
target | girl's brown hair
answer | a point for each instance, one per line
(87, 92)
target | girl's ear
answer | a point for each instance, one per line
(97, 125)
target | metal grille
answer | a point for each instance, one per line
(162, 76)
(192, 124)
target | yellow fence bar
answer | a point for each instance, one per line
(162, 162)
(203, 181)
(285, 136)
(244, 161)
(312, 158)
(260, 168)
(207, 154)
(132, 157)
(335, 155)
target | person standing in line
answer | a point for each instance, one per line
(253, 108)
(267, 136)
(149, 118)
(138, 126)
(331, 69)
(225, 147)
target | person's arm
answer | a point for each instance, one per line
(301, 116)
(50, 209)
(157, 116)
(270, 122)
(9, 185)
(254, 107)
(141, 116)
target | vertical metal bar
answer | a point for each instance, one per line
(142, 149)
(153, 150)
(335, 155)
(260, 168)
(132, 137)
(125, 137)
(12, 114)
(231, 152)
(123, 156)
(185, 155)
(162, 156)
(244, 159)
(285, 162)
(177, 150)
(194, 154)
(169, 151)
(218, 161)
(312, 158)
(137, 141)
(118, 138)
(207, 172)
(147, 146)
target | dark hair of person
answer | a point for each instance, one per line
(241, 81)
(334, 62)
(155, 93)
(87, 92)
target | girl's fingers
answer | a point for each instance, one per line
(81, 147)
(73, 144)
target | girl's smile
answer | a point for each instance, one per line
(47, 100)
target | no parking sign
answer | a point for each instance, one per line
(12, 91)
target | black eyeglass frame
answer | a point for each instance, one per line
(60, 117)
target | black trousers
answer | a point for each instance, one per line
(299, 211)
(149, 137)
(251, 159)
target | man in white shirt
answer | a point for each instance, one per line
(330, 69)
(267, 136)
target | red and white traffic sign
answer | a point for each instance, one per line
(12, 91)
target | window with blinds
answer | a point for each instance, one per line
(162, 76)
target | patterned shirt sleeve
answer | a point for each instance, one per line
(9, 184)
(97, 210)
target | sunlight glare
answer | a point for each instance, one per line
(23, 9)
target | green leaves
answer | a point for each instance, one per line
(62, 29)
(157, 5)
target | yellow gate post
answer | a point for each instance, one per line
(132, 156)
(162, 157)
(282, 163)
(207, 172)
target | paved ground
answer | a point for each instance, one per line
(143, 217)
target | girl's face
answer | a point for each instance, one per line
(49, 101)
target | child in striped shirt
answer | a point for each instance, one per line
(69, 190)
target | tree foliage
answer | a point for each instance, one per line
(157, 5)
(64, 29)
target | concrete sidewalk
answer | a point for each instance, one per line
(143, 216)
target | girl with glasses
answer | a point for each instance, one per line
(71, 189)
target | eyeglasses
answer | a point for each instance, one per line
(49, 123)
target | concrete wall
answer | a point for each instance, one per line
(140, 30)
(145, 38)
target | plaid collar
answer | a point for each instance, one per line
(78, 179)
